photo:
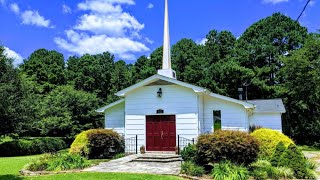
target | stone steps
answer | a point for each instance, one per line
(158, 158)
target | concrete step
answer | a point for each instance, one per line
(148, 156)
(158, 160)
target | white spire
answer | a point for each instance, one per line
(166, 60)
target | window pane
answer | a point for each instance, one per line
(217, 120)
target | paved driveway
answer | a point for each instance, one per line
(125, 165)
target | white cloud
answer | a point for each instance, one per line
(66, 9)
(150, 6)
(115, 24)
(18, 59)
(82, 43)
(15, 8)
(34, 18)
(202, 41)
(312, 3)
(274, 1)
(104, 26)
(3, 2)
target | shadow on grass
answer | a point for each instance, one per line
(9, 177)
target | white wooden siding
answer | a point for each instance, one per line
(175, 100)
(233, 116)
(114, 118)
(267, 120)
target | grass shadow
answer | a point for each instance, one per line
(10, 177)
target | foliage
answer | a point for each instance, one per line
(66, 112)
(228, 171)
(268, 140)
(98, 144)
(253, 127)
(263, 169)
(238, 147)
(58, 162)
(294, 159)
(189, 153)
(23, 147)
(280, 148)
(46, 68)
(302, 92)
(191, 169)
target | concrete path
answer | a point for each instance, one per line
(125, 165)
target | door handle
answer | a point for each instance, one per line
(161, 134)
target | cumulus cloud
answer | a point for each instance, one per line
(13, 55)
(274, 1)
(34, 18)
(150, 6)
(104, 26)
(202, 41)
(30, 17)
(82, 43)
(15, 8)
(66, 9)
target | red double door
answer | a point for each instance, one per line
(161, 133)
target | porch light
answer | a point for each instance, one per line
(159, 93)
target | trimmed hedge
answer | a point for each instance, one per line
(98, 144)
(235, 146)
(22, 147)
(268, 140)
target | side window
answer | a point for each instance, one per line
(217, 120)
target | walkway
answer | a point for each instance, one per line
(125, 165)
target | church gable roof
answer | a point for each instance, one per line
(155, 79)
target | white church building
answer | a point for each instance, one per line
(160, 108)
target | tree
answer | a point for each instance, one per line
(46, 68)
(142, 69)
(183, 52)
(9, 95)
(261, 45)
(66, 112)
(302, 91)
(92, 73)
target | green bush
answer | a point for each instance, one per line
(264, 166)
(294, 159)
(98, 144)
(268, 140)
(31, 146)
(227, 170)
(58, 162)
(191, 169)
(238, 147)
(189, 153)
(259, 174)
(280, 148)
(285, 172)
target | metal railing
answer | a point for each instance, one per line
(131, 145)
(184, 142)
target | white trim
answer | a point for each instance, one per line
(156, 77)
(101, 110)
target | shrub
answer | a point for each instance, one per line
(238, 147)
(259, 174)
(294, 159)
(264, 166)
(227, 170)
(189, 153)
(58, 162)
(268, 140)
(285, 172)
(191, 169)
(98, 144)
(280, 148)
(32, 146)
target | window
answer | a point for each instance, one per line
(217, 120)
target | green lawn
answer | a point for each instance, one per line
(9, 169)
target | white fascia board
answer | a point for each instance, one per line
(245, 104)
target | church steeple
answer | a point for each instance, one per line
(166, 59)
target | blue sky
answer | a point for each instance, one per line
(130, 28)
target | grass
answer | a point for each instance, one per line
(10, 167)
